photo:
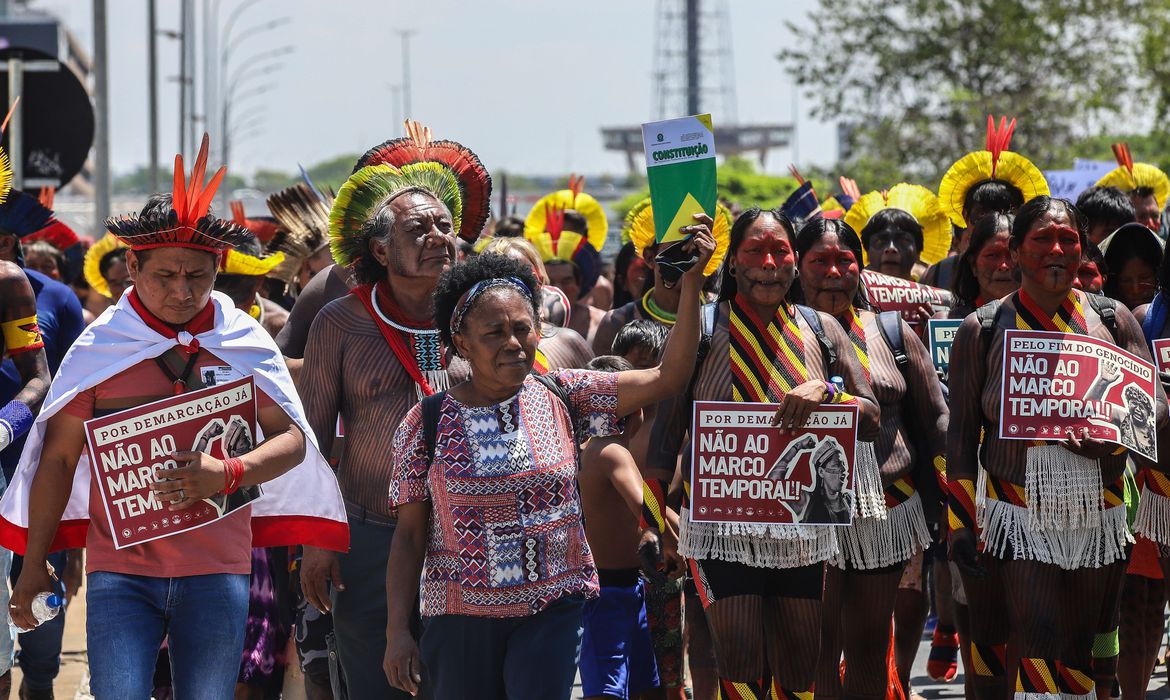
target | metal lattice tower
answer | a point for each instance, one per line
(694, 67)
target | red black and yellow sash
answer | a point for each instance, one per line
(767, 358)
(1069, 318)
(857, 337)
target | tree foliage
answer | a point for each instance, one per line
(916, 79)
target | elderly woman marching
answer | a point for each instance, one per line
(484, 481)
(1054, 522)
(888, 526)
(763, 582)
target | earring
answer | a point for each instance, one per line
(796, 271)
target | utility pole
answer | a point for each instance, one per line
(184, 32)
(152, 77)
(396, 103)
(406, 34)
(189, 8)
(101, 203)
(693, 81)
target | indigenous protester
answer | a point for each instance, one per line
(241, 276)
(659, 300)
(640, 343)
(43, 257)
(1147, 186)
(982, 182)
(22, 347)
(655, 303)
(986, 270)
(302, 236)
(24, 222)
(1133, 255)
(105, 267)
(489, 610)
(559, 348)
(889, 526)
(617, 655)
(157, 341)
(1054, 523)
(762, 582)
(1093, 273)
(629, 273)
(372, 354)
(569, 228)
(902, 230)
(1106, 209)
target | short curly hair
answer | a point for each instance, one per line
(459, 278)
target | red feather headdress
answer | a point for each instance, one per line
(475, 184)
(187, 224)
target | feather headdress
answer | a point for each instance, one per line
(544, 227)
(915, 200)
(419, 155)
(93, 261)
(187, 224)
(303, 227)
(639, 229)
(994, 163)
(264, 228)
(1129, 176)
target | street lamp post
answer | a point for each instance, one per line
(230, 101)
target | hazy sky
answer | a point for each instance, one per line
(524, 83)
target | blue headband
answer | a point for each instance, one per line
(478, 289)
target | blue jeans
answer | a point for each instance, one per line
(128, 617)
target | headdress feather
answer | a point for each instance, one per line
(1129, 176)
(187, 224)
(639, 230)
(995, 162)
(474, 183)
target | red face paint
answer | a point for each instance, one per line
(1089, 278)
(1050, 255)
(766, 250)
(829, 275)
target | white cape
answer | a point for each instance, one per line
(302, 506)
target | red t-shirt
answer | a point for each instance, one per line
(222, 547)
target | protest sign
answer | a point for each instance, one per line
(743, 470)
(1162, 354)
(128, 448)
(1056, 382)
(680, 167)
(941, 334)
(887, 293)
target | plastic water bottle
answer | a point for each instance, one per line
(45, 606)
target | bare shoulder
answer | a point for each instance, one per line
(605, 455)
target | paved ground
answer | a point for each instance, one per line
(72, 682)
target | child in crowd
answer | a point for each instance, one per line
(617, 657)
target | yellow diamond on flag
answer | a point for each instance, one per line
(685, 216)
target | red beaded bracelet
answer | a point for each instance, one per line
(233, 474)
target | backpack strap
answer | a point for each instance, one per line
(988, 316)
(1106, 308)
(813, 319)
(431, 405)
(890, 325)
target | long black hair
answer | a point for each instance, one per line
(1037, 207)
(965, 285)
(810, 234)
(727, 285)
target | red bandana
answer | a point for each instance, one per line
(200, 323)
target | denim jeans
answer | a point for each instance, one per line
(128, 616)
(39, 657)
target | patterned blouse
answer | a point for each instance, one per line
(506, 537)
